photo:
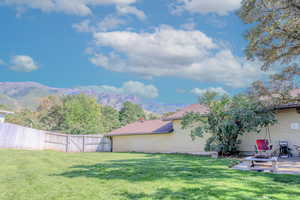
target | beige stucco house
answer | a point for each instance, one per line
(287, 129)
(167, 135)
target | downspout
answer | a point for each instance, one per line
(111, 144)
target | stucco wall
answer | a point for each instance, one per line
(179, 141)
(279, 132)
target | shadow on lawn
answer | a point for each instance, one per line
(212, 192)
(200, 172)
(155, 167)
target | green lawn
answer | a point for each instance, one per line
(47, 175)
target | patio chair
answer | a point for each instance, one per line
(263, 148)
(284, 150)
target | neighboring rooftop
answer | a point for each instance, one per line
(144, 128)
(196, 108)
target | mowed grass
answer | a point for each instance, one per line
(47, 175)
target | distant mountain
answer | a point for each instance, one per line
(19, 95)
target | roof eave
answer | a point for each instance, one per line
(285, 107)
(146, 133)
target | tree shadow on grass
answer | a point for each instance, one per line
(197, 172)
(213, 192)
(155, 167)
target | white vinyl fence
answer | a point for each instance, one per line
(18, 137)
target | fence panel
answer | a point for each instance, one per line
(14, 136)
(97, 143)
(56, 141)
(18, 137)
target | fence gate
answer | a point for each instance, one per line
(75, 143)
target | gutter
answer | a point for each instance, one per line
(146, 133)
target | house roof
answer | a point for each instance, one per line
(144, 128)
(165, 126)
(196, 108)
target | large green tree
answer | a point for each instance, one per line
(274, 37)
(131, 112)
(111, 119)
(229, 117)
(24, 117)
(278, 89)
(82, 115)
(51, 113)
(74, 114)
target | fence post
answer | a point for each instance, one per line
(83, 143)
(68, 143)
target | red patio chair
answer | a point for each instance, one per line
(263, 148)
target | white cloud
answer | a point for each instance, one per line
(140, 89)
(190, 25)
(84, 26)
(108, 23)
(178, 53)
(220, 7)
(2, 62)
(200, 92)
(131, 87)
(75, 7)
(126, 9)
(23, 63)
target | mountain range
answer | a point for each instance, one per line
(19, 95)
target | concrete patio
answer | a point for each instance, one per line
(285, 166)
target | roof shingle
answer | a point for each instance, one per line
(196, 108)
(144, 128)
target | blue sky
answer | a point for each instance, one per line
(164, 50)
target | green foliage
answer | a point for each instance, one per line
(25, 117)
(51, 113)
(208, 97)
(110, 118)
(82, 115)
(275, 35)
(152, 116)
(130, 113)
(4, 107)
(167, 114)
(278, 88)
(228, 118)
(75, 114)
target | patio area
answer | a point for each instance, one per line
(284, 166)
